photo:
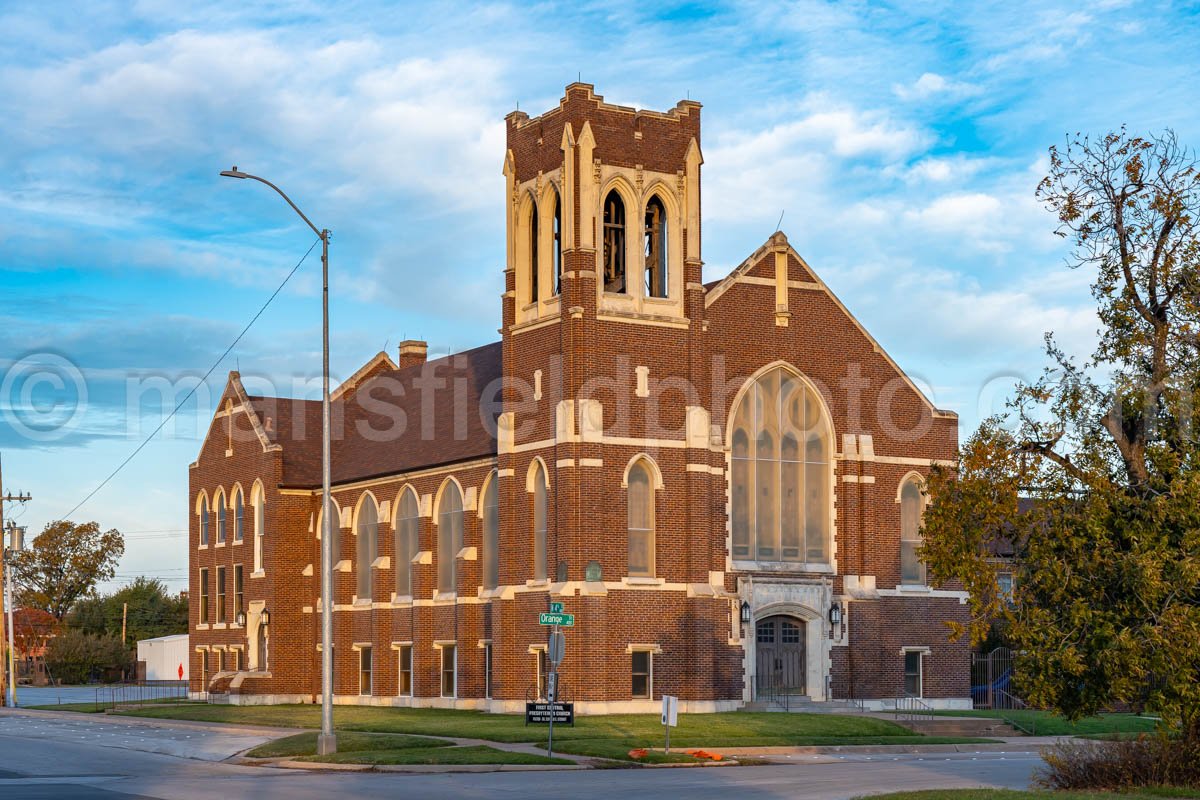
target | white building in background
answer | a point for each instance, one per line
(166, 657)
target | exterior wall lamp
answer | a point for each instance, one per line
(265, 616)
(241, 619)
(835, 613)
(745, 612)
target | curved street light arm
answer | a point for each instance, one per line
(237, 173)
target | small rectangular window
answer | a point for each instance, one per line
(364, 671)
(642, 669)
(239, 590)
(220, 661)
(203, 595)
(1004, 585)
(239, 660)
(220, 594)
(449, 664)
(406, 683)
(912, 673)
(204, 670)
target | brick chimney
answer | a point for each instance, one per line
(412, 353)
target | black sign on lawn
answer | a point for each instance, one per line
(541, 713)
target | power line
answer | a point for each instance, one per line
(192, 391)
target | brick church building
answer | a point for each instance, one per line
(721, 481)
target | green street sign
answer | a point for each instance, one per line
(551, 618)
(556, 608)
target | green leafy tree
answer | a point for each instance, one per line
(1107, 604)
(152, 611)
(77, 657)
(66, 562)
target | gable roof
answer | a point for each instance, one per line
(714, 291)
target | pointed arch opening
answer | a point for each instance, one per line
(335, 529)
(490, 513)
(366, 546)
(204, 516)
(222, 513)
(556, 230)
(258, 511)
(533, 252)
(781, 486)
(239, 515)
(406, 530)
(614, 243)
(912, 507)
(639, 495)
(538, 487)
(450, 534)
(656, 247)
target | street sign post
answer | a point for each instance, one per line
(556, 618)
(556, 648)
(670, 716)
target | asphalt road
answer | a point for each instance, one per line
(109, 760)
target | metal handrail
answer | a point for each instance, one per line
(912, 708)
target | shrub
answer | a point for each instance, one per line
(1149, 760)
(76, 657)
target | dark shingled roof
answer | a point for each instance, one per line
(439, 412)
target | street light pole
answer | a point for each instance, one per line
(326, 740)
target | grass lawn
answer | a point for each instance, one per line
(435, 755)
(1044, 723)
(1008, 794)
(305, 744)
(627, 730)
(392, 748)
(99, 708)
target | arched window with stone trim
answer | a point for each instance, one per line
(538, 490)
(450, 535)
(366, 545)
(257, 502)
(639, 496)
(557, 243)
(614, 243)
(655, 252)
(533, 252)
(408, 520)
(780, 472)
(205, 518)
(490, 505)
(239, 515)
(222, 516)
(912, 568)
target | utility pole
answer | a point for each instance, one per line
(8, 643)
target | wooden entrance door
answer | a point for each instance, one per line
(780, 655)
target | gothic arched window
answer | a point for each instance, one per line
(614, 243)
(491, 535)
(450, 535)
(367, 546)
(640, 519)
(656, 248)
(912, 568)
(407, 521)
(780, 477)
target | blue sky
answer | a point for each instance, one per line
(902, 141)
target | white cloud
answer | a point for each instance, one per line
(931, 85)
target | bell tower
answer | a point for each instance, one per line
(603, 304)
